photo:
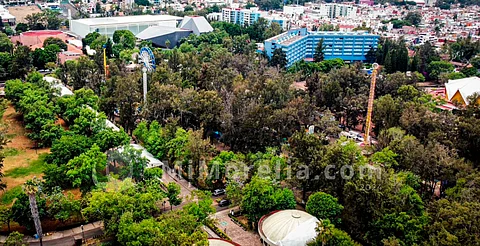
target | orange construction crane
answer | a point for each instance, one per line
(371, 97)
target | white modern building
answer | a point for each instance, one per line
(293, 10)
(243, 17)
(107, 26)
(334, 10)
(197, 24)
(287, 227)
(6, 16)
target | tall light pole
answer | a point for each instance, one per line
(144, 70)
(83, 234)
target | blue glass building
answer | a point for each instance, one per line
(300, 44)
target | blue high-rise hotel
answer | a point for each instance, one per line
(300, 44)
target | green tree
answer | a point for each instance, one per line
(173, 228)
(5, 216)
(88, 40)
(22, 61)
(5, 61)
(426, 54)
(43, 56)
(328, 235)
(85, 170)
(36, 21)
(389, 216)
(306, 152)
(196, 150)
(261, 196)
(273, 30)
(63, 207)
(52, 40)
(387, 113)
(128, 96)
(88, 123)
(414, 18)
(324, 206)
(133, 163)
(201, 206)
(436, 68)
(278, 59)
(52, 20)
(319, 54)
(5, 44)
(109, 205)
(153, 173)
(21, 27)
(173, 192)
(68, 147)
(125, 38)
(15, 239)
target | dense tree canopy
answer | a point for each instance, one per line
(215, 103)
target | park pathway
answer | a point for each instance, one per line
(235, 232)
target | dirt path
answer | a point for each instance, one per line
(22, 145)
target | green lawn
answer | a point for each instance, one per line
(34, 167)
(10, 195)
(12, 152)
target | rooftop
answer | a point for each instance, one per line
(288, 227)
(127, 19)
(333, 33)
(41, 33)
(221, 242)
(466, 87)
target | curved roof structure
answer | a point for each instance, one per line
(288, 227)
(221, 242)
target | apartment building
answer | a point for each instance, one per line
(243, 17)
(334, 10)
(300, 44)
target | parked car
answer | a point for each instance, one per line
(219, 192)
(224, 203)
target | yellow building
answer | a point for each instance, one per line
(458, 90)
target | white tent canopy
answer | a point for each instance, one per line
(152, 161)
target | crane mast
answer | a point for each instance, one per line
(371, 98)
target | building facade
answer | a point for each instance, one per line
(300, 44)
(282, 21)
(334, 10)
(107, 26)
(292, 10)
(243, 17)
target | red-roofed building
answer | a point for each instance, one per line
(33, 38)
(72, 53)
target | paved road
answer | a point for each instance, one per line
(66, 7)
(67, 237)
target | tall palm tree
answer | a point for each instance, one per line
(31, 188)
